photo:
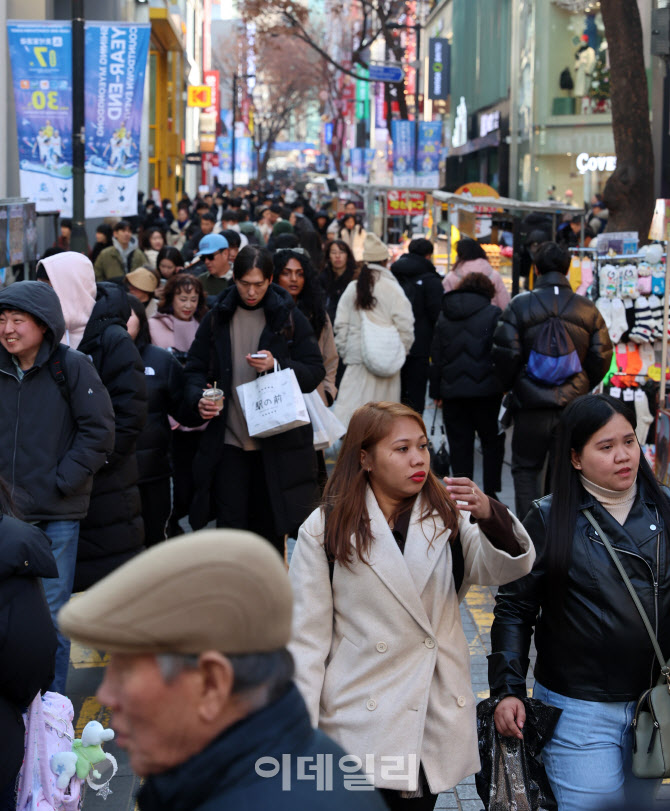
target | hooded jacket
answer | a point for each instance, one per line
(288, 458)
(72, 276)
(113, 531)
(25, 557)
(520, 324)
(422, 285)
(113, 263)
(456, 276)
(55, 436)
(460, 363)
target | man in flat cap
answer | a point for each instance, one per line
(200, 682)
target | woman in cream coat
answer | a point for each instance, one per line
(377, 292)
(380, 653)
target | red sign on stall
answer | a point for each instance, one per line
(401, 203)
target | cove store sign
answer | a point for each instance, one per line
(591, 163)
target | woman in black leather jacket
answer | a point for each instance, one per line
(594, 657)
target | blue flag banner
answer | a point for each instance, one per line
(115, 63)
(428, 154)
(402, 133)
(358, 165)
(41, 59)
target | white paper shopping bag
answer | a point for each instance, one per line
(273, 403)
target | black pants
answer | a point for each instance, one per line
(185, 445)
(532, 441)
(413, 383)
(462, 419)
(241, 497)
(396, 802)
(156, 508)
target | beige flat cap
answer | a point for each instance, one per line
(223, 590)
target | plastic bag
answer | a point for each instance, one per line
(512, 776)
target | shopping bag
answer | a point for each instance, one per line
(273, 403)
(327, 428)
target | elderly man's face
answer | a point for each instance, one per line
(157, 723)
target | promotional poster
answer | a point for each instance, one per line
(115, 61)
(41, 60)
(428, 154)
(402, 133)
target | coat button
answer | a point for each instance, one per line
(461, 701)
(428, 642)
(25, 563)
(371, 704)
(382, 647)
(653, 526)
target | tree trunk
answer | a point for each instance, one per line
(629, 193)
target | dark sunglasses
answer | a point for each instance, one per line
(206, 256)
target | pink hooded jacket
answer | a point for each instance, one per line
(72, 277)
(456, 276)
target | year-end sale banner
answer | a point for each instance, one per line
(41, 59)
(115, 63)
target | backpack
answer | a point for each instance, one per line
(565, 82)
(553, 358)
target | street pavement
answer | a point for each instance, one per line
(87, 668)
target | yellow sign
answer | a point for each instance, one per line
(199, 96)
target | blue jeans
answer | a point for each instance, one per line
(64, 537)
(588, 759)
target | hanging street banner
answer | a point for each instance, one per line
(115, 63)
(428, 154)
(439, 69)
(357, 158)
(41, 60)
(402, 133)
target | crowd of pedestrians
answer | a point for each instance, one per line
(116, 438)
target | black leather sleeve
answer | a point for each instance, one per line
(507, 353)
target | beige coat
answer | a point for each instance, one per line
(359, 386)
(331, 361)
(381, 658)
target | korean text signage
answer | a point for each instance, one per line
(402, 203)
(115, 61)
(428, 154)
(41, 59)
(439, 68)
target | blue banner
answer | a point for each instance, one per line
(357, 157)
(402, 133)
(41, 59)
(428, 154)
(115, 62)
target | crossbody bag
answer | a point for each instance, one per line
(651, 724)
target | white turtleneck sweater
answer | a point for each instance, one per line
(618, 503)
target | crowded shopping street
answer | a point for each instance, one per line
(334, 409)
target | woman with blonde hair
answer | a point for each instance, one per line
(377, 573)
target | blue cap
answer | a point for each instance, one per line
(212, 243)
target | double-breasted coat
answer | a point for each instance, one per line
(381, 656)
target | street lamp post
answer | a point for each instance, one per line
(78, 239)
(417, 80)
(236, 76)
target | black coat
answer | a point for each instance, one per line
(288, 458)
(595, 646)
(165, 380)
(461, 364)
(333, 287)
(422, 285)
(55, 436)
(113, 530)
(27, 634)
(518, 328)
(224, 777)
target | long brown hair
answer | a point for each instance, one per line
(344, 496)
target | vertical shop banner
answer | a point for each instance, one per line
(358, 165)
(439, 69)
(224, 149)
(115, 63)
(41, 60)
(428, 154)
(402, 133)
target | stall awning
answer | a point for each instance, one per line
(547, 207)
(164, 30)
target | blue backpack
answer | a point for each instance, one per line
(553, 358)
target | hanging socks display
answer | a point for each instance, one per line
(643, 330)
(619, 324)
(644, 418)
(604, 306)
(656, 307)
(587, 276)
(648, 357)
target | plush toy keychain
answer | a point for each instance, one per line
(86, 754)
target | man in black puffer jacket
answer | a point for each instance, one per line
(266, 485)
(422, 285)
(537, 406)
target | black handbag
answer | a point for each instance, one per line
(565, 81)
(440, 461)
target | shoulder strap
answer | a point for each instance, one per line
(645, 619)
(57, 369)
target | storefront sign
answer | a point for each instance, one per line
(601, 163)
(115, 62)
(401, 203)
(489, 122)
(41, 59)
(439, 69)
(459, 136)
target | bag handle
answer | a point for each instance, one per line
(665, 670)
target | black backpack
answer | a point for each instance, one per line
(57, 369)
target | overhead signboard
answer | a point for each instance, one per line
(439, 68)
(199, 96)
(386, 73)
